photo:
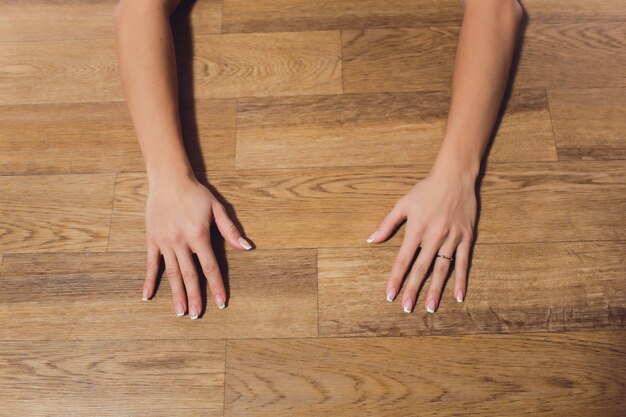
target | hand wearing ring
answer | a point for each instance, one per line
(440, 213)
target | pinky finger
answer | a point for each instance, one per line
(461, 261)
(152, 269)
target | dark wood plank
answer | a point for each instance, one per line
(589, 124)
(574, 374)
(213, 66)
(376, 129)
(45, 20)
(341, 207)
(130, 378)
(568, 55)
(89, 137)
(90, 296)
(55, 212)
(297, 15)
(512, 288)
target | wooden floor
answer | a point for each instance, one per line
(310, 119)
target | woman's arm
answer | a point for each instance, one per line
(441, 209)
(179, 209)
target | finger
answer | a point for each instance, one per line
(440, 272)
(176, 281)
(401, 264)
(461, 261)
(228, 229)
(152, 269)
(418, 274)
(212, 272)
(191, 280)
(388, 225)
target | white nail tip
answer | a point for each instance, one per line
(180, 314)
(459, 300)
(223, 306)
(389, 298)
(194, 317)
(244, 243)
(372, 237)
(144, 298)
(430, 309)
(407, 309)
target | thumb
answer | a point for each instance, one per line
(389, 224)
(228, 229)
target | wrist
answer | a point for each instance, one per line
(456, 161)
(170, 173)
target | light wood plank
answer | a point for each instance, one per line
(86, 296)
(214, 66)
(88, 137)
(572, 55)
(512, 288)
(570, 374)
(297, 15)
(373, 129)
(44, 20)
(341, 207)
(589, 124)
(130, 378)
(55, 212)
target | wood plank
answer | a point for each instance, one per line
(512, 288)
(297, 15)
(89, 137)
(290, 132)
(341, 207)
(86, 296)
(55, 212)
(214, 66)
(45, 20)
(569, 374)
(572, 55)
(130, 378)
(589, 124)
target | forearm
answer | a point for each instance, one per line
(148, 72)
(483, 59)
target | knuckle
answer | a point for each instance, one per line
(403, 263)
(198, 234)
(190, 274)
(211, 268)
(420, 269)
(172, 273)
(461, 264)
(152, 265)
(232, 229)
(441, 268)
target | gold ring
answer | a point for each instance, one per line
(443, 256)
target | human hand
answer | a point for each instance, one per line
(179, 213)
(441, 212)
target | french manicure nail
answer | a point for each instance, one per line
(220, 302)
(180, 310)
(408, 305)
(459, 296)
(244, 243)
(430, 307)
(391, 294)
(145, 294)
(193, 312)
(372, 237)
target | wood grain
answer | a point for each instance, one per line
(91, 296)
(91, 137)
(45, 20)
(55, 212)
(571, 374)
(293, 132)
(512, 288)
(589, 124)
(409, 59)
(341, 207)
(298, 15)
(215, 66)
(130, 378)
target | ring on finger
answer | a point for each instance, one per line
(450, 258)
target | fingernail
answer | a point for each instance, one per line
(408, 305)
(391, 294)
(220, 302)
(244, 243)
(145, 294)
(430, 307)
(459, 295)
(193, 312)
(180, 310)
(372, 237)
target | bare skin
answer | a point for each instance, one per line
(440, 210)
